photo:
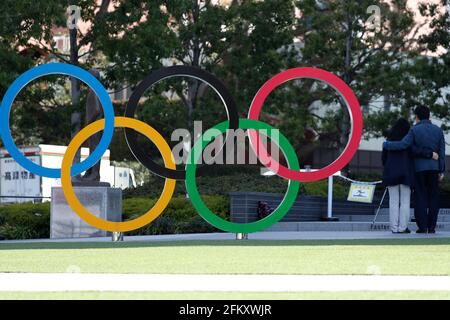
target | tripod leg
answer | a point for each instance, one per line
(379, 207)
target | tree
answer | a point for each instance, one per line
(129, 39)
(434, 69)
(24, 25)
(244, 43)
(239, 43)
(377, 62)
(26, 35)
(26, 39)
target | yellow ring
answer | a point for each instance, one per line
(74, 203)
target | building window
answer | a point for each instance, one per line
(118, 95)
(121, 93)
(62, 43)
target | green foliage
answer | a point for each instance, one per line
(217, 180)
(179, 216)
(320, 188)
(365, 176)
(435, 72)
(244, 44)
(195, 225)
(25, 221)
(235, 42)
(445, 186)
(179, 207)
(375, 63)
(379, 123)
(161, 225)
(221, 180)
(22, 21)
(32, 221)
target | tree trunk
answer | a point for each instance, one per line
(74, 89)
(193, 88)
(75, 83)
(345, 124)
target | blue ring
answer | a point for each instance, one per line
(56, 68)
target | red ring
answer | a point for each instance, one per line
(355, 119)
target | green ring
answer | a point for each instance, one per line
(210, 217)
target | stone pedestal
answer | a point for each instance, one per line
(103, 202)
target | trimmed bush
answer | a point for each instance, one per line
(32, 221)
(238, 178)
(320, 189)
(196, 225)
(161, 225)
(179, 217)
(25, 221)
(179, 208)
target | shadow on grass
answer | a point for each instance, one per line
(222, 243)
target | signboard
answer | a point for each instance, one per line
(16, 181)
(361, 192)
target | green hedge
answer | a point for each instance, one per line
(25, 221)
(221, 180)
(32, 221)
(179, 216)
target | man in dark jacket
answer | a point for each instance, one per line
(428, 171)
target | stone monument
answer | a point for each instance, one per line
(96, 196)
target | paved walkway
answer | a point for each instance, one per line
(51, 282)
(308, 235)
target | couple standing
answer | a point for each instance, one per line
(414, 158)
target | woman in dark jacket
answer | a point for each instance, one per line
(399, 176)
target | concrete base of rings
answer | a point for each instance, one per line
(103, 202)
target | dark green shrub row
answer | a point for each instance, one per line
(32, 221)
(220, 181)
(25, 221)
(179, 216)
(231, 178)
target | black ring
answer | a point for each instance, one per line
(157, 76)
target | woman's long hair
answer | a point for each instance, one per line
(399, 130)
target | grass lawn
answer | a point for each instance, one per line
(386, 257)
(226, 295)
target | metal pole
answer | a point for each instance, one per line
(117, 236)
(379, 207)
(241, 236)
(330, 198)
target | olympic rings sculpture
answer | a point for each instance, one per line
(168, 171)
